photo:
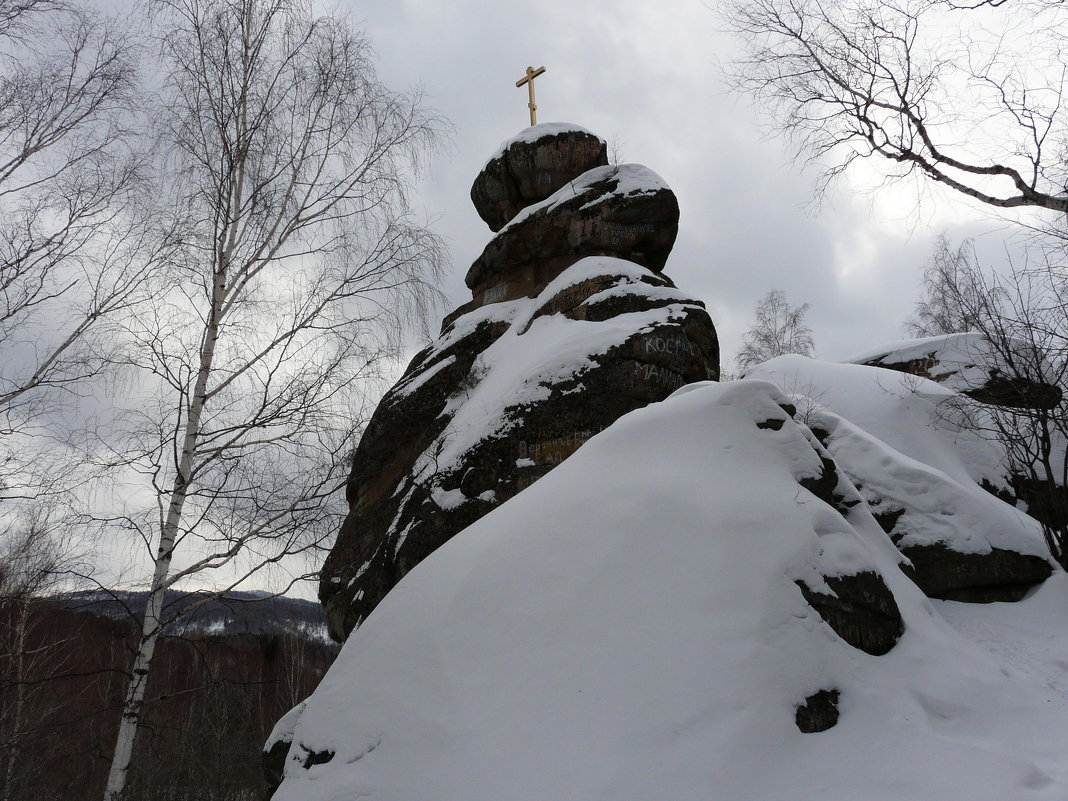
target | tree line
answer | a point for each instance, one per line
(215, 694)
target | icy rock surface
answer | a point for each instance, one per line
(635, 626)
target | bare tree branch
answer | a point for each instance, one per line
(883, 78)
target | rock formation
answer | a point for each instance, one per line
(531, 166)
(700, 597)
(1012, 375)
(700, 573)
(1007, 374)
(936, 486)
(571, 325)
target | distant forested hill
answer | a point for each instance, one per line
(222, 677)
(235, 613)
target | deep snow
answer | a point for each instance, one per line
(629, 628)
(905, 441)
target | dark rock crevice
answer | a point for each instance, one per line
(825, 486)
(862, 611)
(819, 712)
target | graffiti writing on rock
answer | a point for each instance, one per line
(677, 345)
(555, 450)
(626, 233)
(658, 376)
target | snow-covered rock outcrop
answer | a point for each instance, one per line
(720, 595)
(1011, 373)
(673, 613)
(570, 326)
(931, 479)
(624, 210)
(531, 166)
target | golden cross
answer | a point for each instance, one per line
(529, 81)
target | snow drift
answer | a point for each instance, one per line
(635, 626)
(934, 482)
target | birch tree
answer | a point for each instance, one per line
(779, 329)
(299, 267)
(69, 177)
(953, 299)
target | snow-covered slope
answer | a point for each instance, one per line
(632, 627)
(908, 446)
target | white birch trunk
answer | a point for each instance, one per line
(324, 172)
(133, 705)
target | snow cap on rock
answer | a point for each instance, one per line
(1011, 373)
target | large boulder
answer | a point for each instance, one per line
(506, 393)
(531, 166)
(1011, 374)
(932, 482)
(570, 327)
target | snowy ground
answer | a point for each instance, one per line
(1030, 637)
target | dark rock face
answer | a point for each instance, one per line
(825, 486)
(533, 167)
(819, 712)
(950, 574)
(1016, 393)
(571, 327)
(999, 575)
(625, 211)
(274, 762)
(864, 613)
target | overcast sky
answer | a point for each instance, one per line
(645, 76)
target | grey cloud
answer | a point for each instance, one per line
(646, 75)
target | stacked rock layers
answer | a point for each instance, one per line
(570, 326)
